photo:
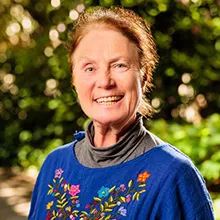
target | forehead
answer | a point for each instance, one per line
(104, 43)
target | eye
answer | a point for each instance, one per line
(120, 65)
(89, 69)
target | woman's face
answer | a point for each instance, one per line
(106, 77)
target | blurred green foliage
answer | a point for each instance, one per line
(39, 110)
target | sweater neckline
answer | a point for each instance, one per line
(129, 163)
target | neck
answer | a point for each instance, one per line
(108, 135)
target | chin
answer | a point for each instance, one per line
(111, 120)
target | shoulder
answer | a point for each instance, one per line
(177, 167)
(170, 155)
(59, 154)
(180, 185)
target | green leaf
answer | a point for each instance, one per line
(50, 186)
(122, 199)
(63, 196)
(112, 205)
(64, 204)
(97, 199)
(130, 183)
(112, 189)
(92, 210)
(138, 196)
(101, 207)
(61, 180)
(110, 199)
(57, 194)
(134, 196)
(107, 217)
(143, 190)
(108, 210)
(85, 213)
(105, 204)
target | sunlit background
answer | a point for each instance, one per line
(39, 110)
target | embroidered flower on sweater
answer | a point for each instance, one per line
(142, 177)
(110, 203)
(103, 192)
(74, 190)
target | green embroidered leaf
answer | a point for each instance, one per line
(92, 210)
(61, 180)
(59, 202)
(108, 210)
(138, 196)
(57, 194)
(134, 196)
(112, 205)
(50, 191)
(110, 199)
(130, 183)
(142, 185)
(75, 211)
(101, 207)
(122, 199)
(50, 186)
(68, 186)
(102, 218)
(54, 213)
(108, 217)
(59, 206)
(54, 180)
(97, 199)
(64, 204)
(74, 197)
(143, 190)
(63, 196)
(112, 189)
(63, 200)
(85, 213)
(53, 218)
(106, 204)
(75, 214)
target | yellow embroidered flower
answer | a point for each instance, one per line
(49, 205)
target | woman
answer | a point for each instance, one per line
(116, 169)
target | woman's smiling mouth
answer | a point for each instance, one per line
(109, 100)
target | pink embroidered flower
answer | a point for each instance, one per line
(96, 211)
(123, 188)
(128, 199)
(74, 190)
(58, 173)
(72, 217)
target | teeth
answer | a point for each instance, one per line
(108, 100)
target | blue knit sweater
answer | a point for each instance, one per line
(160, 184)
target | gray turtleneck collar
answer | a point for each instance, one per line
(136, 141)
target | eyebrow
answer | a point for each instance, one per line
(112, 60)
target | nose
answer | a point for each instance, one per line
(105, 80)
